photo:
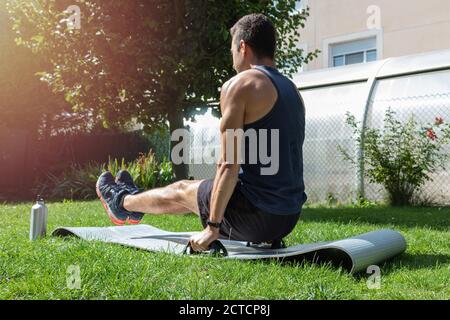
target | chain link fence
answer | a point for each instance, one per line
(204, 143)
(328, 177)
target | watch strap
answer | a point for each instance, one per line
(213, 224)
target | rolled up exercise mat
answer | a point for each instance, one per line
(354, 254)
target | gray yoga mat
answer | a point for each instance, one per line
(354, 254)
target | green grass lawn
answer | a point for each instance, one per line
(39, 270)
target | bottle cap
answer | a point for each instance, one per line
(39, 198)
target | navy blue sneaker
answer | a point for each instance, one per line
(125, 180)
(111, 195)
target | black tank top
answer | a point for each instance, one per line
(279, 191)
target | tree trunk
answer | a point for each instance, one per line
(175, 118)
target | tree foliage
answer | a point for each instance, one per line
(26, 104)
(150, 61)
(144, 58)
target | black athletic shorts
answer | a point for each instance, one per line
(243, 221)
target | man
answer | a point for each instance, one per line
(241, 203)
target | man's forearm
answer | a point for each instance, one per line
(224, 184)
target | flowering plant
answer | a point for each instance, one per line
(400, 156)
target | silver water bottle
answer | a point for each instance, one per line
(38, 220)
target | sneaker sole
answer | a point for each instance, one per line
(130, 221)
(111, 216)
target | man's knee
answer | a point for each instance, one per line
(184, 192)
(180, 190)
(182, 185)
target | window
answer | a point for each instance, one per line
(338, 61)
(359, 51)
(371, 55)
(354, 58)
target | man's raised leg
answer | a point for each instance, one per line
(177, 198)
(122, 202)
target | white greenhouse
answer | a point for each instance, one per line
(418, 85)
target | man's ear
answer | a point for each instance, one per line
(242, 47)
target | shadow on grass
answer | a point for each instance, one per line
(410, 262)
(433, 218)
(420, 261)
(403, 261)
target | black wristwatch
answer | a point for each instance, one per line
(213, 224)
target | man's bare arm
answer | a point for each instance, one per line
(232, 104)
(233, 99)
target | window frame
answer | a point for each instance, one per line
(328, 43)
(347, 53)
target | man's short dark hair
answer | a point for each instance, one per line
(258, 32)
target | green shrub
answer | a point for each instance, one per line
(401, 156)
(78, 182)
(146, 171)
(166, 174)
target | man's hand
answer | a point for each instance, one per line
(201, 241)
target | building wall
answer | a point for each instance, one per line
(407, 26)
